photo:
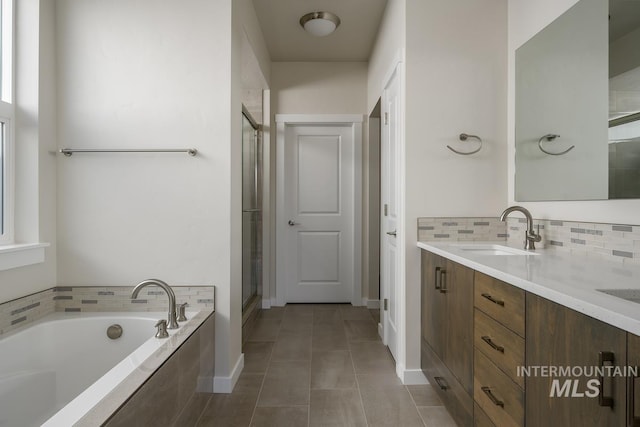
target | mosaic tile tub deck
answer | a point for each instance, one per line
(23, 311)
(614, 242)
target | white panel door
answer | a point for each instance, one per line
(319, 213)
(389, 215)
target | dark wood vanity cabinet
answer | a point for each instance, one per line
(433, 303)
(476, 327)
(633, 381)
(559, 336)
(447, 333)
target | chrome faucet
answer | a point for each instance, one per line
(173, 323)
(530, 236)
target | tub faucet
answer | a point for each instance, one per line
(530, 236)
(173, 323)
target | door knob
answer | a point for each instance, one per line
(291, 223)
(392, 233)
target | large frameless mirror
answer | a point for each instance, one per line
(577, 105)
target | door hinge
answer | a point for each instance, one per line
(386, 304)
(386, 209)
(386, 118)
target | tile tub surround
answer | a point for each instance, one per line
(461, 229)
(613, 242)
(118, 298)
(23, 311)
(164, 389)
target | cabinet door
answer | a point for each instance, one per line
(457, 285)
(433, 303)
(560, 337)
(633, 395)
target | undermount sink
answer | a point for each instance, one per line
(632, 295)
(494, 250)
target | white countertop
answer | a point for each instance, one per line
(567, 279)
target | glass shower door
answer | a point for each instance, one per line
(251, 211)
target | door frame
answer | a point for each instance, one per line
(282, 121)
(396, 70)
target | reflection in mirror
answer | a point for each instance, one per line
(561, 102)
(559, 91)
(624, 99)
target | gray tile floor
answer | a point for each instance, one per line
(321, 365)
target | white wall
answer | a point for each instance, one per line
(245, 28)
(455, 83)
(35, 136)
(318, 87)
(388, 49)
(525, 20)
(152, 75)
(124, 217)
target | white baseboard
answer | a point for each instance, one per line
(226, 384)
(266, 304)
(380, 331)
(413, 377)
(371, 303)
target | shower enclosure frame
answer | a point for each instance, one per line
(252, 176)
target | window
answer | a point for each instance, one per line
(6, 122)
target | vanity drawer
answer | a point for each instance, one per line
(480, 419)
(455, 398)
(501, 301)
(501, 345)
(499, 397)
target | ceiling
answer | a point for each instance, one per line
(287, 41)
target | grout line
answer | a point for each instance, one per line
(255, 407)
(415, 405)
(204, 408)
(366, 420)
(353, 365)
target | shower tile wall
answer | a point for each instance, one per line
(28, 309)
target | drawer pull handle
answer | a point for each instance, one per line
(441, 383)
(495, 401)
(492, 344)
(493, 300)
(443, 281)
(437, 278)
(603, 357)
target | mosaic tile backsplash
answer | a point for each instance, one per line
(22, 311)
(461, 229)
(613, 242)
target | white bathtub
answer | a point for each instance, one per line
(52, 373)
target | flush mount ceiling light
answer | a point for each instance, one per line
(320, 24)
